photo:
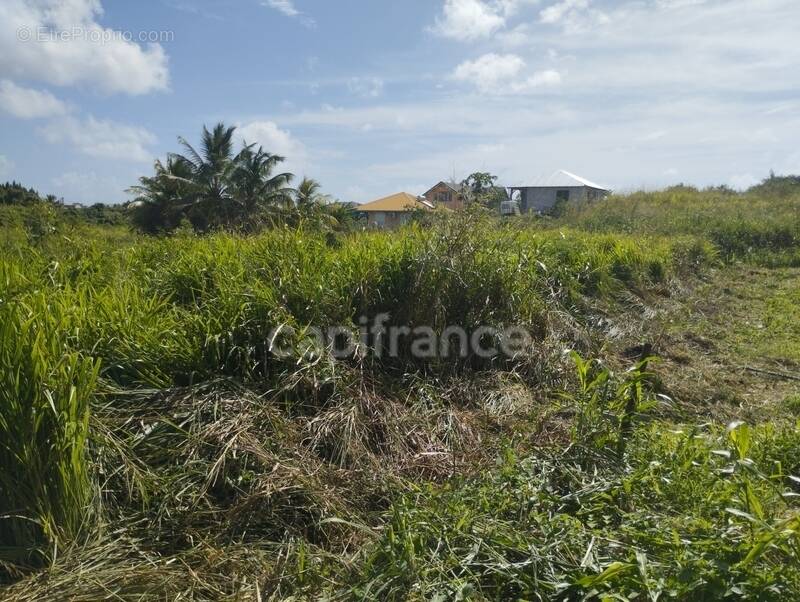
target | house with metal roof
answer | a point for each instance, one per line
(393, 210)
(557, 188)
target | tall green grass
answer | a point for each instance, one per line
(45, 391)
(752, 227)
(186, 309)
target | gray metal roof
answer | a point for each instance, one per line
(563, 179)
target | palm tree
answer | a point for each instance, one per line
(160, 200)
(255, 187)
(318, 209)
(307, 194)
(214, 188)
(210, 199)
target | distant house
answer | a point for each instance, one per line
(446, 194)
(393, 211)
(562, 186)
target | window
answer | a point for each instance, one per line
(562, 196)
(380, 218)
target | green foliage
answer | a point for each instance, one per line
(780, 187)
(676, 521)
(177, 310)
(792, 403)
(44, 412)
(13, 193)
(214, 189)
(482, 190)
(606, 405)
(479, 181)
(755, 226)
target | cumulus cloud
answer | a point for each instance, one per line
(276, 141)
(489, 70)
(469, 19)
(27, 103)
(60, 42)
(101, 138)
(502, 73)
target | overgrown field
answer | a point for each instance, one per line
(154, 446)
(761, 228)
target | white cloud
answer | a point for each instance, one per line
(60, 42)
(366, 87)
(510, 8)
(288, 8)
(561, 10)
(575, 16)
(715, 47)
(27, 103)
(101, 138)
(6, 165)
(548, 77)
(284, 6)
(276, 141)
(501, 73)
(469, 19)
(474, 19)
(490, 70)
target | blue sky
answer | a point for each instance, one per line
(372, 97)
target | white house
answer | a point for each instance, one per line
(561, 186)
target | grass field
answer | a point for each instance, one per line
(645, 446)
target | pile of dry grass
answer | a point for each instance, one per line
(218, 491)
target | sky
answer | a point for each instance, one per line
(372, 97)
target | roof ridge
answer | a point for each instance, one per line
(582, 180)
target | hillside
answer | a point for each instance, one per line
(172, 428)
